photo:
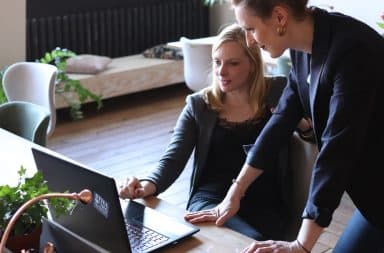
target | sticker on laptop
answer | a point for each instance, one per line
(101, 205)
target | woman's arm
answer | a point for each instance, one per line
(172, 162)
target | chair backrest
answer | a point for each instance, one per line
(301, 157)
(32, 82)
(25, 119)
(197, 64)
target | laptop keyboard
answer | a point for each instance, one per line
(142, 238)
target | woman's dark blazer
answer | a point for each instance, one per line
(193, 130)
(344, 98)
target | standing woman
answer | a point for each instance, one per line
(216, 123)
(337, 82)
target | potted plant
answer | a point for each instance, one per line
(26, 231)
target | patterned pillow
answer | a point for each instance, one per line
(163, 52)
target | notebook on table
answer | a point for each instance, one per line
(114, 224)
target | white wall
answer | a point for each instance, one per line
(368, 11)
(220, 15)
(12, 31)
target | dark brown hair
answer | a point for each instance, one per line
(263, 8)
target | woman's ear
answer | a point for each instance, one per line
(280, 15)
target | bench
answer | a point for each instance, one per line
(129, 74)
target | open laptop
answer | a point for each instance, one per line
(104, 221)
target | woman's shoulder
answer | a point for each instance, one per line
(345, 31)
(197, 99)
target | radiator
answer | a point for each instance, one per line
(124, 28)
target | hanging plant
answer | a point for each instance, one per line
(212, 2)
(66, 86)
(381, 24)
(3, 98)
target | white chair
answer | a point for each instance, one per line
(32, 82)
(197, 64)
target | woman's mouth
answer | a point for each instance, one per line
(225, 82)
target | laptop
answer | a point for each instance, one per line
(114, 224)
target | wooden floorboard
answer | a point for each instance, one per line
(130, 133)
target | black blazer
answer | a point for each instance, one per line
(343, 96)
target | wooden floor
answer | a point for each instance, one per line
(129, 135)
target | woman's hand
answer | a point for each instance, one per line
(273, 247)
(133, 188)
(222, 212)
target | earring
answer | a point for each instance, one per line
(281, 30)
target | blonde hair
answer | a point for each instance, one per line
(257, 88)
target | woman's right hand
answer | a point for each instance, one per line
(222, 212)
(134, 188)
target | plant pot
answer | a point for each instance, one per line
(28, 241)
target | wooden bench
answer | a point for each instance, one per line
(130, 74)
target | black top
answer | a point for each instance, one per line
(225, 159)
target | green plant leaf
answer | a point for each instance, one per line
(381, 25)
(3, 98)
(212, 2)
(66, 86)
(13, 197)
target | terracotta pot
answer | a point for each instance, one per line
(28, 241)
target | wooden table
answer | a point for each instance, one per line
(16, 151)
(210, 238)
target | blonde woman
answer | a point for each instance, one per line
(216, 122)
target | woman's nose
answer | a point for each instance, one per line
(222, 70)
(250, 39)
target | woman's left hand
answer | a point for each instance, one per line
(273, 247)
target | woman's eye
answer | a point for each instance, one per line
(216, 63)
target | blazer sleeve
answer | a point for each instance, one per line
(179, 149)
